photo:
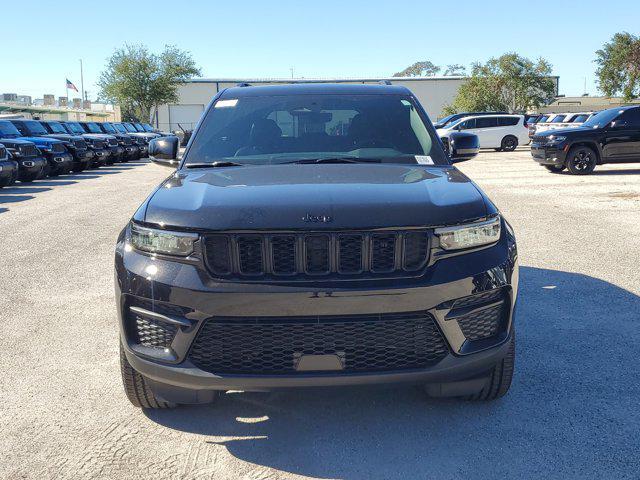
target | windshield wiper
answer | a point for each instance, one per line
(213, 164)
(336, 160)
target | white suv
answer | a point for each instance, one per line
(501, 132)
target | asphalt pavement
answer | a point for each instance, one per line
(573, 411)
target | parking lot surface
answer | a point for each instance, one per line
(572, 411)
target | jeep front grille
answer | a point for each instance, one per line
(58, 148)
(28, 150)
(319, 254)
(274, 345)
(112, 142)
(539, 139)
(80, 144)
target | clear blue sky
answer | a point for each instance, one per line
(323, 38)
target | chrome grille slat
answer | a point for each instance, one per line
(316, 254)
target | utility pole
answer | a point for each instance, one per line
(82, 84)
(291, 72)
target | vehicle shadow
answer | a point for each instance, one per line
(626, 171)
(571, 411)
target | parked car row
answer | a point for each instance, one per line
(500, 131)
(35, 149)
(554, 121)
(609, 136)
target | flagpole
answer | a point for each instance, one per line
(82, 85)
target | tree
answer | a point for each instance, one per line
(455, 70)
(139, 80)
(419, 69)
(510, 82)
(618, 69)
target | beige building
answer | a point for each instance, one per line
(434, 93)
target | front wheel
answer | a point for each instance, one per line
(509, 143)
(136, 388)
(555, 168)
(581, 160)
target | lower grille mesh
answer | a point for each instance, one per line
(151, 333)
(270, 345)
(482, 324)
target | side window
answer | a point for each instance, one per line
(467, 124)
(631, 118)
(508, 121)
(21, 128)
(486, 122)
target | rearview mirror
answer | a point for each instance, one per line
(164, 151)
(463, 146)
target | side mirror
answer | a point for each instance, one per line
(463, 146)
(164, 151)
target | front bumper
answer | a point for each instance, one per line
(549, 155)
(61, 162)
(117, 152)
(30, 167)
(188, 285)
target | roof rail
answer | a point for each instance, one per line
(385, 82)
(243, 84)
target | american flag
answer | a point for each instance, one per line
(71, 85)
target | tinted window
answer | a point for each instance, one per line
(277, 129)
(56, 127)
(486, 122)
(467, 124)
(602, 118)
(558, 119)
(579, 118)
(108, 128)
(8, 128)
(542, 119)
(508, 121)
(93, 127)
(631, 118)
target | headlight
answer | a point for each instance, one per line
(556, 139)
(469, 235)
(161, 241)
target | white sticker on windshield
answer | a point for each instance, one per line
(226, 103)
(424, 160)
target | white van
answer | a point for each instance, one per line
(501, 132)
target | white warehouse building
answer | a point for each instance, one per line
(434, 93)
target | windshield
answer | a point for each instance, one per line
(7, 128)
(119, 127)
(75, 127)
(602, 118)
(288, 128)
(138, 127)
(56, 127)
(147, 127)
(558, 119)
(130, 128)
(107, 127)
(93, 127)
(35, 128)
(446, 119)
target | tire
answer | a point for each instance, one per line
(555, 168)
(509, 143)
(500, 379)
(29, 177)
(581, 160)
(136, 388)
(498, 149)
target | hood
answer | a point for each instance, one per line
(145, 134)
(14, 142)
(42, 140)
(285, 196)
(98, 136)
(562, 131)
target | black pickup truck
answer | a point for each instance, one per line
(610, 136)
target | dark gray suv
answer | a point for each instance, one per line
(315, 235)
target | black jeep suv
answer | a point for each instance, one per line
(610, 136)
(315, 235)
